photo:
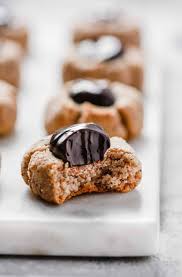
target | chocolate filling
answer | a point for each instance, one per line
(80, 144)
(96, 92)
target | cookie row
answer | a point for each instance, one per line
(102, 76)
(96, 103)
(81, 158)
(13, 45)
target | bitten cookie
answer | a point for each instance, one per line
(105, 58)
(109, 23)
(116, 107)
(10, 62)
(8, 108)
(80, 159)
(12, 29)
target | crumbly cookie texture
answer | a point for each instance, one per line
(128, 68)
(16, 32)
(124, 28)
(55, 181)
(8, 108)
(124, 118)
(10, 62)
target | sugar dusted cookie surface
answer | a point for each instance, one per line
(55, 180)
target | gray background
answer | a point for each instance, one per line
(165, 32)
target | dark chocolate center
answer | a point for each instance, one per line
(96, 92)
(80, 144)
(104, 49)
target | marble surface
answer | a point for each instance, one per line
(168, 262)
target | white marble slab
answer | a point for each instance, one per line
(90, 225)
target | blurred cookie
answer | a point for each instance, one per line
(116, 107)
(109, 23)
(11, 28)
(106, 57)
(10, 62)
(8, 108)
